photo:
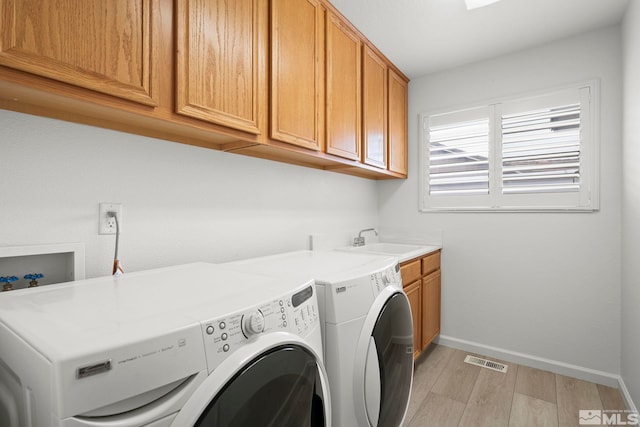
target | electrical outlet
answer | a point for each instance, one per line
(107, 225)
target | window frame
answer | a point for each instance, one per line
(587, 199)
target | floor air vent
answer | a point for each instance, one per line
(484, 363)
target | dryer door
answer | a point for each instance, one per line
(279, 388)
(389, 364)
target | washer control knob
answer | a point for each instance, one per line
(382, 279)
(389, 276)
(253, 323)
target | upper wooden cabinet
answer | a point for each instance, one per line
(343, 103)
(218, 61)
(397, 123)
(297, 94)
(286, 80)
(103, 45)
(374, 107)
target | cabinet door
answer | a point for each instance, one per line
(297, 78)
(414, 294)
(218, 60)
(430, 308)
(103, 45)
(374, 109)
(397, 123)
(343, 90)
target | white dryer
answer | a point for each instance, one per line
(194, 345)
(367, 331)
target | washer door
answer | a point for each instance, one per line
(281, 387)
(386, 378)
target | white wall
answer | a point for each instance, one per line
(180, 203)
(548, 284)
(631, 203)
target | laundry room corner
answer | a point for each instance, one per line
(502, 270)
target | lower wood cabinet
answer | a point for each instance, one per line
(430, 308)
(421, 280)
(414, 294)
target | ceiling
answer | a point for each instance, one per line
(425, 36)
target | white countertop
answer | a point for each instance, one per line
(402, 251)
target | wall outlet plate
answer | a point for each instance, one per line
(107, 225)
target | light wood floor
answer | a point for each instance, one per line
(448, 392)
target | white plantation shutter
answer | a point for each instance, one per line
(459, 157)
(541, 150)
(541, 155)
(458, 164)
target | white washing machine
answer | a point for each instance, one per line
(193, 345)
(367, 331)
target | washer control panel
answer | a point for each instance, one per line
(390, 276)
(295, 313)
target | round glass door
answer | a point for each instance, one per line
(390, 364)
(280, 388)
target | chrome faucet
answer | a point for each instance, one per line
(359, 241)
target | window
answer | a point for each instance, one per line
(532, 153)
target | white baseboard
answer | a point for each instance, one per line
(574, 371)
(626, 396)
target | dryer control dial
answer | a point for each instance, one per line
(253, 323)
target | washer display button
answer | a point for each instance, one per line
(222, 325)
(224, 336)
(210, 330)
